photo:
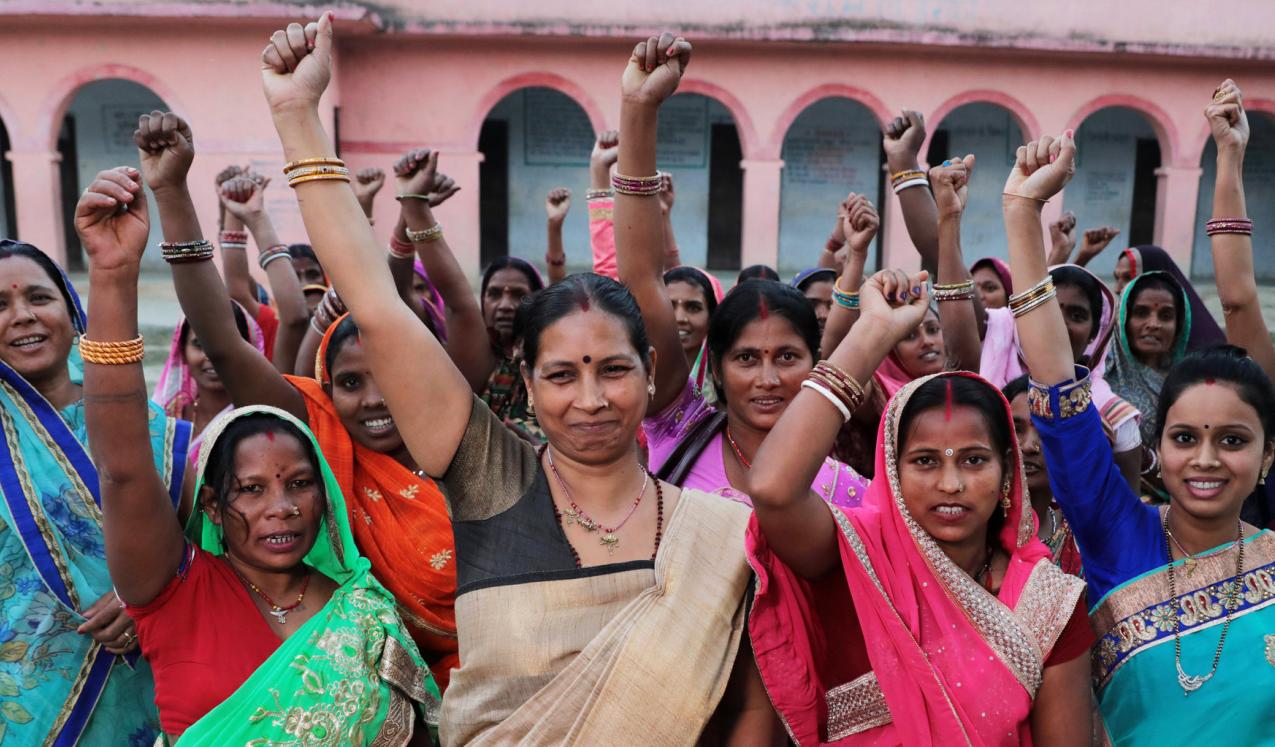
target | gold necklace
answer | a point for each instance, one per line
(1192, 682)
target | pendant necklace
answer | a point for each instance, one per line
(576, 515)
(280, 612)
(1192, 682)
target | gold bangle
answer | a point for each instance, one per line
(1043, 288)
(114, 353)
(333, 161)
(312, 170)
(425, 235)
(319, 178)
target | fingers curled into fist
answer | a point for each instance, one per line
(238, 189)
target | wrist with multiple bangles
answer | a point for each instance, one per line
(1032, 298)
(836, 386)
(1242, 226)
(180, 252)
(114, 353)
(229, 240)
(908, 178)
(425, 235)
(638, 186)
(316, 170)
(962, 291)
(844, 298)
(270, 254)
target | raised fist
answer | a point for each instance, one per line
(667, 195)
(244, 197)
(111, 220)
(416, 173)
(228, 173)
(606, 149)
(1227, 120)
(367, 182)
(903, 138)
(950, 183)
(297, 64)
(859, 223)
(894, 301)
(1043, 168)
(166, 149)
(655, 68)
(1062, 239)
(557, 203)
(1094, 241)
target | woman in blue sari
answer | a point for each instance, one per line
(69, 670)
(1182, 597)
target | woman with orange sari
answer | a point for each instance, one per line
(398, 517)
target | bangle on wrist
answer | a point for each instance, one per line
(425, 235)
(270, 254)
(114, 353)
(1242, 226)
(179, 252)
(962, 291)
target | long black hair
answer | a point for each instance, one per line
(582, 291)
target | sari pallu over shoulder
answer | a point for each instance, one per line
(351, 674)
(654, 671)
(904, 646)
(1133, 662)
(61, 687)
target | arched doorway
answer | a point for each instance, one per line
(96, 134)
(698, 143)
(832, 148)
(1118, 154)
(992, 133)
(533, 140)
(8, 210)
(1259, 193)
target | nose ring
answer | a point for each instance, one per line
(960, 488)
(296, 511)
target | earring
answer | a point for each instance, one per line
(531, 404)
(650, 388)
(1005, 504)
(1262, 479)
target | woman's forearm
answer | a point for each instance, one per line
(959, 319)
(1042, 333)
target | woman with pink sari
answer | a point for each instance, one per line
(931, 614)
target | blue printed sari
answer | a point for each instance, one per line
(58, 687)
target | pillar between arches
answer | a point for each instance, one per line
(760, 244)
(1177, 190)
(38, 203)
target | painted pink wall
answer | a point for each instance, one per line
(403, 89)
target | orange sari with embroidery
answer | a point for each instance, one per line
(401, 525)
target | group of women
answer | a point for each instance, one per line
(911, 508)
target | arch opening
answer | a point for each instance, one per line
(1118, 154)
(833, 147)
(991, 132)
(95, 134)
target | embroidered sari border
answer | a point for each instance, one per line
(1146, 619)
(855, 707)
(85, 691)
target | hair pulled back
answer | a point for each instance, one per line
(580, 292)
(745, 303)
(698, 279)
(1224, 364)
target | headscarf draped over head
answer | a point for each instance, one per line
(947, 662)
(1205, 331)
(356, 640)
(176, 389)
(1000, 268)
(813, 275)
(1138, 383)
(399, 519)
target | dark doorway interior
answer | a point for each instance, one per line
(725, 198)
(68, 172)
(493, 190)
(1142, 215)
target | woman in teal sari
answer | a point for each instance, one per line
(1182, 597)
(69, 666)
(262, 622)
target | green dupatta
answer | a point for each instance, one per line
(348, 676)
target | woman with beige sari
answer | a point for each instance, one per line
(594, 603)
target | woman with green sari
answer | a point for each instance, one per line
(1182, 597)
(262, 622)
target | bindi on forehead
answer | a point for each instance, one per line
(588, 359)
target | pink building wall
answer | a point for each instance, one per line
(428, 73)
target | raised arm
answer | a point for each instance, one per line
(244, 198)
(860, 222)
(143, 538)
(468, 342)
(1093, 241)
(903, 138)
(1231, 240)
(601, 199)
(165, 147)
(1062, 239)
(957, 310)
(672, 255)
(797, 523)
(652, 75)
(403, 253)
(557, 204)
(367, 182)
(427, 394)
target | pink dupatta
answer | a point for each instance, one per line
(902, 646)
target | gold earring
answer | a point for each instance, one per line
(531, 404)
(1005, 504)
